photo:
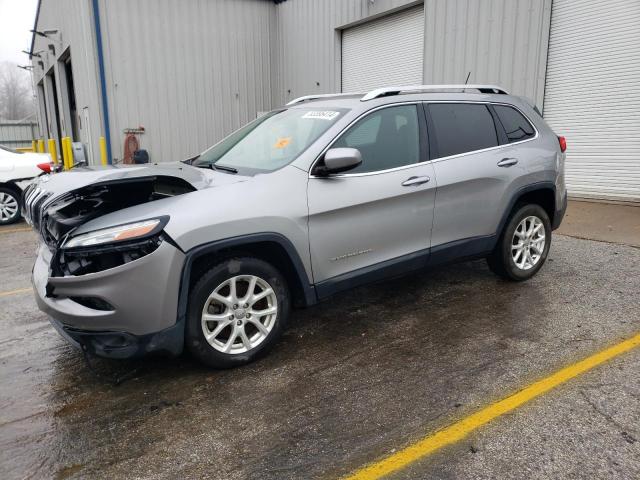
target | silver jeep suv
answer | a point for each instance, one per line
(325, 194)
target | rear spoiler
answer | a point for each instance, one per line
(531, 104)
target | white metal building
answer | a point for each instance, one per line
(191, 71)
(593, 94)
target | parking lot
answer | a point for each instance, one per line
(355, 379)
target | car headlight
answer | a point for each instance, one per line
(119, 233)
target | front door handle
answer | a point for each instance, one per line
(507, 162)
(414, 181)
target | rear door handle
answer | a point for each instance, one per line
(507, 162)
(414, 181)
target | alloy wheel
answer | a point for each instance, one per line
(8, 207)
(239, 314)
(528, 243)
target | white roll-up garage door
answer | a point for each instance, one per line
(384, 52)
(592, 94)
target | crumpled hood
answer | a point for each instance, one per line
(59, 203)
(81, 177)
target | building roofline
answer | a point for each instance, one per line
(35, 27)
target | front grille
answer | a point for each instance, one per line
(38, 202)
(26, 202)
(33, 201)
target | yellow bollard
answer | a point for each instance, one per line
(66, 160)
(34, 146)
(63, 152)
(53, 151)
(67, 165)
(41, 146)
(103, 150)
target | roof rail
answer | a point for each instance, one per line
(306, 98)
(381, 92)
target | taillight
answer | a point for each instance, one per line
(563, 143)
(45, 167)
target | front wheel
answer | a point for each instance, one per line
(237, 312)
(524, 244)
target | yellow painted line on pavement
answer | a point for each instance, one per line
(15, 230)
(15, 292)
(464, 427)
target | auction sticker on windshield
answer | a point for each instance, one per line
(282, 142)
(321, 114)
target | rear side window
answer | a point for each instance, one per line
(515, 124)
(386, 138)
(462, 127)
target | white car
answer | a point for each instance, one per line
(17, 169)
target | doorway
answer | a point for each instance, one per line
(54, 110)
(71, 98)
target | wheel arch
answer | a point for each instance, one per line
(541, 193)
(270, 247)
(13, 187)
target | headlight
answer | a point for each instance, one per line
(129, 231)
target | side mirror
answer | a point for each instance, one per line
(337, 160)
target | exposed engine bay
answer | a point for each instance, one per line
(80, 206)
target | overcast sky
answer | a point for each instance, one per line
(16, 19)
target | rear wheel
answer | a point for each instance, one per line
(237, 312)
(9, 206)
(524, 244)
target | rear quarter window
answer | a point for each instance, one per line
(516, 126)
(461, 128)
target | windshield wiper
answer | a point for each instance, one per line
(212, 166)
(224, 168)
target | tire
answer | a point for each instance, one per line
(502, 261)
(220, 351)
(10, 211)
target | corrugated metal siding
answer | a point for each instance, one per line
(190, 72)
(307, 58)
(500, 42)
(74, 20)
(384, 52)
(15, 135)
(592, 95)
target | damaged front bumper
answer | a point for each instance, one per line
(122, 312)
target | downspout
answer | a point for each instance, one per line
(103, 80)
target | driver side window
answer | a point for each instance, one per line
(387, 138)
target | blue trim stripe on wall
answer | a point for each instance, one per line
(103, 80)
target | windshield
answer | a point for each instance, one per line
(270, 142)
